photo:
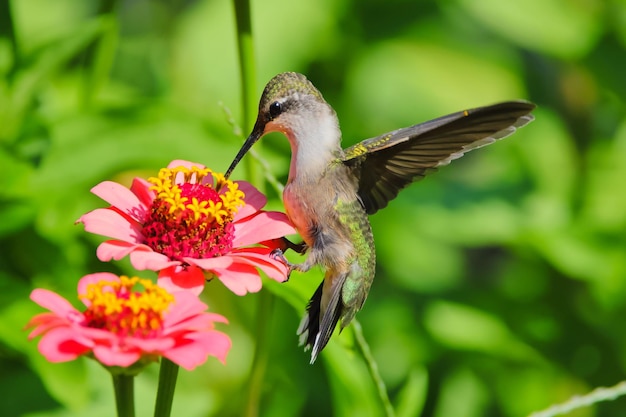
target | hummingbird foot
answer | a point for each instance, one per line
(278, 255)
(282, 244)
(300, 248)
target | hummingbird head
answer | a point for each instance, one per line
(291, 105)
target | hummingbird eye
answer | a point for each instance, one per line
(275, 109)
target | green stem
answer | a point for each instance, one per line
(123, 385)
(248, 82)
(580, 401)
(255, 176)
(373, 369)
(261, 353)
(167, 384)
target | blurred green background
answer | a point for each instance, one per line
(501, 279)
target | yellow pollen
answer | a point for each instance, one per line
(166, 186)
(198, 208)
(133, 306)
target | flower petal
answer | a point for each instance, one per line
(240, 278)
(185, 306)
(151, 346)
(178, 278)
(183, 163)
(198, 322)
(43, 323)
(114, 249)
(110, 223)
(94, 278)
(197, 347)
(261, 258)
(122, 198)
(141, 188)
(265, 225)
(143, 258)
(254, 199)
(188, 312)
(60, 345)
(209, 264)
(53, 302)
(114, 356)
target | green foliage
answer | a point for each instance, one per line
(501, 280)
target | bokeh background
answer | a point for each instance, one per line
(501, 279)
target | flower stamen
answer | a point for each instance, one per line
(119, 306)
(190, 217)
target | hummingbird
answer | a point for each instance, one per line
(331, 191)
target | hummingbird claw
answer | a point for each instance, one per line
(278, 255)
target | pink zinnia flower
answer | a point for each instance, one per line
(187, 221)
(123, 326)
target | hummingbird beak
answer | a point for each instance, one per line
(257, 132)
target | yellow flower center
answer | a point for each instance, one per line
(189, 217)
(121, 308)
(203, 201)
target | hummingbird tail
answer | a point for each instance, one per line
(315, 329)
(310, 325)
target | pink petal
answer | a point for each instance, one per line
(178, 278)
(156, 345)
(209, 264)
(183, 318)
(186, 305)
(218, 344)
(114, 356)
(198, 322)
(59, 345)
(122, 198)
(254, 199)
(110, 223)
(182, 163)
(265, 225)
(141, 188)
(180, 177)
(115, 249)
(143, 258)
(93, 335)
(43, 323)
(208, 180)
(240, 278)
(53, 302)
(195, 349)
(95, 278)
(188, 356)
(261, 258)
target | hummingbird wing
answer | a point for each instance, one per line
(387, 163)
